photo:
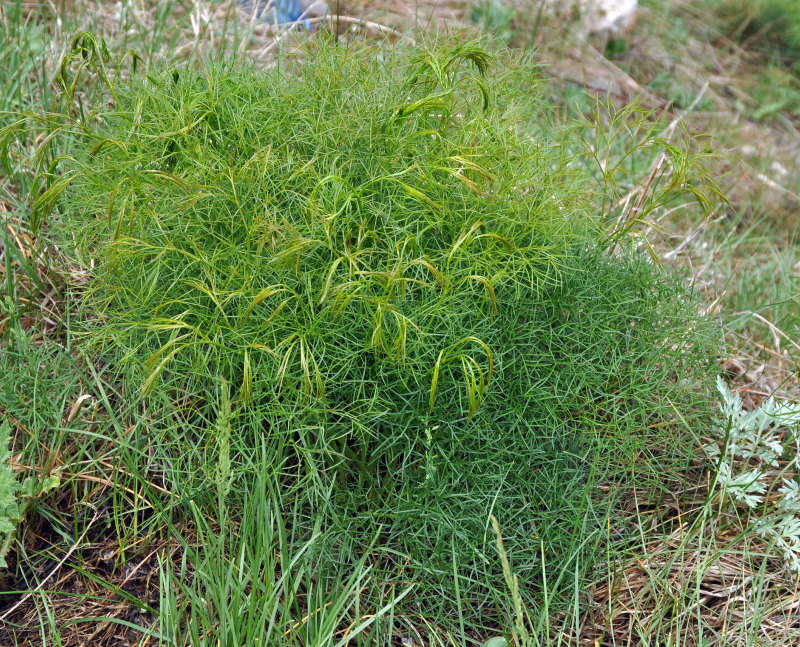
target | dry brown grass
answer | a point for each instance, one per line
(690, 593)
(699, 576)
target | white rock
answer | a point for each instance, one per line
(779, 169)
(611, 17)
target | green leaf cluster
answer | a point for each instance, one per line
(9, 510)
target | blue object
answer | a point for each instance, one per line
(277, 11)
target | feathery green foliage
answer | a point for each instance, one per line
(279, 218)
(388, 260)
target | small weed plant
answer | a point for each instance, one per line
(9, 510)
(757, 463)
(644, 172)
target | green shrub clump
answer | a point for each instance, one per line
(770, 23)
(389, 259)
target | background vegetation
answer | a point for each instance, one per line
(375, 344)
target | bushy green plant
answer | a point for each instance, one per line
(388, 260)
(379, 212)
